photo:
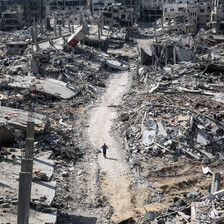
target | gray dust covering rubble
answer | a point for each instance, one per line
(56, 69)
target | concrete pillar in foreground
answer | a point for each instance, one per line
(24, 198)
(30, 129)
(27, 166)
(29, 150)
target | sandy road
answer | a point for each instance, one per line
(115, 184)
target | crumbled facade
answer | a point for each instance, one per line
(117, 16)
(34, 10)
(151, 10)
(96, 6)
(11, 19)
(135, 4)
(217, 13)
(198, 14)
(67, 5)
(15, 13)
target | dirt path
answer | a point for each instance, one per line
(114, 184)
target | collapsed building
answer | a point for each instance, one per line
(151, 11)
(167, 52)
(171, 120)
(56, 6)
(11, 19)
(117, 16)
(217, 15)
(16, 14)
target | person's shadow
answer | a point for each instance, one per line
(110, 158)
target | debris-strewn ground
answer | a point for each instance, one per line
(161, 116)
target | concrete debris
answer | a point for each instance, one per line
(53, 69)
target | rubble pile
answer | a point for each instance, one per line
(179, 111)
(184, 210)
(40, 81)
(172, 125)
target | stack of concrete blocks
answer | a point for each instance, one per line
(25, 177)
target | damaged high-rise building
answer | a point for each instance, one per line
(135, 4)
(66, 5)
(151, 10)
(116, 16)
(96, 6)
(11, 18)
(16, 13)
(34, 10)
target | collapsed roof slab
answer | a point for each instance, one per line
(50, 87)
(19, 118)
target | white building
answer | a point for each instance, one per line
(199, 14)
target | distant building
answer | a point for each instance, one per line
(204, 15)
(151, 10)
(116, 16)
(217, 14)
(135, 4)
(66, 5)
(25, 12)
(96, 6)
(34, 10)
(11, 19)
(199, 14)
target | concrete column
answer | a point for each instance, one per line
(30, 129)
(35, 29)
(35, 65)
(42, 28)
(73, 27)
(80, 18)
(215, 182)
(55, 30)
(174, 56)
(59, 31)
(166, 55)
(26, 166)
(99, 27)
(47, 23)
(29, 150)
(33, 35)
(63, 21)
(24, 198)
(69, 25)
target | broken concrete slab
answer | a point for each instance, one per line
(202, 137)
(51, 87)
(42, 193)
(18, 118)
(57, 88)
(116, 65)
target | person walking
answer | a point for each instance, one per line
(104, 147)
